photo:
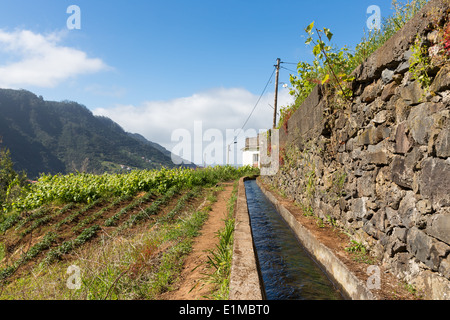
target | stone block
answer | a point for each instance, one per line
(438, 251)
(400, 234)
(402, 143)
(424, 206)
(413, 93)
(366, 184)
(388, 91)
(392, 53)
(372, 231)
(422, 118)
(371, 92)
(377, 154)
(378, 157)
(407, 210)
(442, 80)
(443, 143)
(444, 267)
(359, 208)
(373, 135)
(387, 75)
(402, 110)
(439, 226)
(401, 175)
(392, 219)
(434, 182)
(419, 244)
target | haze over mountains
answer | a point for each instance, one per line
(63, 137)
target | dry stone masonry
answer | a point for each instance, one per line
(380, 166)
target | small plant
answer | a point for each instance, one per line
(331, 221)
(219, 259)
(356, 247)
(333, 64)
(337, 185)
(320, 223)
(359, 251)
(310, 183)
(307, 211)
(420, 63)
(446, 39)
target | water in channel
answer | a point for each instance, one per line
(287, 271)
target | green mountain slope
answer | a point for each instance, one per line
(62, 137)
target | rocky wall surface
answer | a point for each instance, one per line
(380, 166)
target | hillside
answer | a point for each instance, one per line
(62, 137)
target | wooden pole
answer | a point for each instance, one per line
(276, 94)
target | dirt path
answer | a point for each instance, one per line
(195, 264)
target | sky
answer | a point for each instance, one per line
(181, 73)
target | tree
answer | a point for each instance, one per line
(11, 182)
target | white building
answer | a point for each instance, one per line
(250, 154)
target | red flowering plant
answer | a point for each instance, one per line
(446, 39)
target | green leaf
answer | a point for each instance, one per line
(328, 33)
(326, 78)
(309, 28)
(316, 49)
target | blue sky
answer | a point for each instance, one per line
(141, 60)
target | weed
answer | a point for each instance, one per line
(320, 223)
(219, 259)
(420, 63)
(359, 252)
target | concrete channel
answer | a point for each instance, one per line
(245, 279)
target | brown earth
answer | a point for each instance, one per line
(190, 285)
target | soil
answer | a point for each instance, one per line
(191, 285)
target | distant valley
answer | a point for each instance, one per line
(63, 137)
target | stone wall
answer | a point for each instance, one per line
(380, 166)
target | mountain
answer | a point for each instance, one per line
(63, 137)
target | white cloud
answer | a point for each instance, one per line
(223, 110)
(40, 60)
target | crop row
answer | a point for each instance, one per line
(87, 188)
(160, 188)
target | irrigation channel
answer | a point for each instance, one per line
(288, 272)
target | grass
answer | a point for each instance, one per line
(141, 262)
(220, 258)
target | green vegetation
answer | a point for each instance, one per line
(420, 63)
(219, 259)
(129, 233)
(334, 66)
(11, 182)
(87, 188)
(359, 252)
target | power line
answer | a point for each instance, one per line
(254, 108)
(288, 69)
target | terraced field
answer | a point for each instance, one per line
(105, 237)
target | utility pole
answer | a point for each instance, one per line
(276, 94)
